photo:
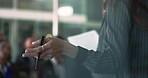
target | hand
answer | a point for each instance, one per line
(52, 47)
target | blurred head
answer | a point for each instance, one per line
(29, 40)
(4, 51)
(140, 13)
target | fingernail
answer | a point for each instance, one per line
(23, 55)
(26, 51)
(34, 43)
(36, 57)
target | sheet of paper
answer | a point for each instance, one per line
(88, 40)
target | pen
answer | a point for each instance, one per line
(37, 59)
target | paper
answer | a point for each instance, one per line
(88, 40)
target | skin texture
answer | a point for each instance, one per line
(52, 47)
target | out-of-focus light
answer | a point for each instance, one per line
(65, 11)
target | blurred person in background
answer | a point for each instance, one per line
(122, 43)
(5, 64)
(29, 40)
(25, 65)
(1, 35)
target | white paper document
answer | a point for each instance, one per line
(88, 40)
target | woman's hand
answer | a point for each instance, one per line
(52, 47)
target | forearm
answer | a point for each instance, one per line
(96, 61)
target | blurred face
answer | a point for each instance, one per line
(4, 51)
(29, 40)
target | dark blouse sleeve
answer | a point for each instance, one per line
(113, 42)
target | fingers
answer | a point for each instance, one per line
(51, 47)
(44, 54)
(29, 55)
(32, 52)
(49, 55)
(37, 43)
